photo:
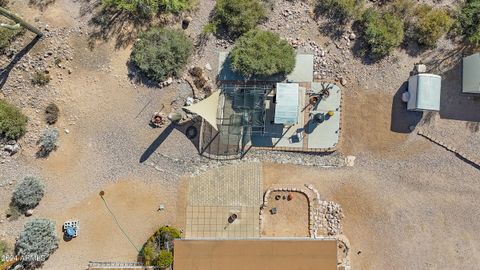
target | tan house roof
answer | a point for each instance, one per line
(260, 254)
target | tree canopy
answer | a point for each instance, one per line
(262, 53)
(239, 16)
(161, 53)
(469, 21)
(382, 32)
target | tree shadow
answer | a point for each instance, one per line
(401, 119)
(157, 142)
(412, 48)
(454, 104)
(360, 48)
(444, 59)
(136, 76)
(5, 72)
(183, 128)
(121, 25)
(333, 23)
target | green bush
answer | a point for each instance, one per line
(342, 10)
(28, 193)
(51, 113)
(155, 247)
(13, 124)
(48, 142)
(161, 53)
(146, 8)
(239, 16)
(36, 242)
(468, 21)
(382, 32)
(165, 259)
(262, 53)
(430, 25)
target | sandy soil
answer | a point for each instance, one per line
(405, 216)
(408, 204)
(134, 205)
(291, 218)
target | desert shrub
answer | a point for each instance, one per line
(40, 78)
(146, 8)
(36, 242)
(405, 9)
(152, 250)
(382, 32)
(239, 16)
(196, 72)
(28, 193)
(430, 24)
(13, 124)
(48, 141)
(468, 21)
(341, 10)
(199, 82)
(165, 259)
(51, 113)
(161, 53)
(262, 53)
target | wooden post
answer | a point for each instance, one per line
(20, 21)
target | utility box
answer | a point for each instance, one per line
(424, 91)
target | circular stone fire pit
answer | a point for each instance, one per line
(158, 119)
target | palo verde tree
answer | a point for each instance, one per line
(146, 8)
(382, 32)
(262, 53)
(161, 53)
(430, 24)
(238, 16)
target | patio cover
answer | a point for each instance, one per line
(471, 74)
(207, 108)
(287, 105)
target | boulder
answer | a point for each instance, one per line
(29, 212)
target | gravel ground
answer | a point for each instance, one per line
(106, 115)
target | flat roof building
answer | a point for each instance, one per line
(424, 91)
(471, 74)
(258, 254)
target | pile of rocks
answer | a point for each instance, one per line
(8, 148)
(166, 83)
(298, 158)
(333, 217)
(223, 43)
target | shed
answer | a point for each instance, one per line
(424, 92)
(287, 104)
(471, 74)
